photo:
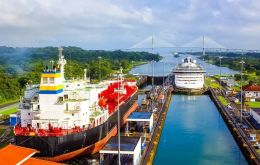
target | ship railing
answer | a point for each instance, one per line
(95, 114)
(73, 100)
(76, 109)
(188, 70)
(71, 111)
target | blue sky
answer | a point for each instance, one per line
(114, 24)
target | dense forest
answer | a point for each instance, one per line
(232, 60)
(19, 66)
(251, 67)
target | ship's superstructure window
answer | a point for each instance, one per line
(45, 80)
(60, 99)
(51, 79)
(66, 97)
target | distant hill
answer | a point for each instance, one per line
(16, 59)
(19, 66)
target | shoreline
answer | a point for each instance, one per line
(237, 133)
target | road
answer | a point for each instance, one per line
(8, 106)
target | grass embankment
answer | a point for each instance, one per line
(211, 82)
(253, 104)
(9, 111)
(223, 100)
(9, 102)
(132, 65)
(2, 131)
(250, 104)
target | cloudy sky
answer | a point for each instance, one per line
(114, 24)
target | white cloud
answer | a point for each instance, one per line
(121, 23)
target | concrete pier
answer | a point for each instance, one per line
(242, 140)
(149, 153)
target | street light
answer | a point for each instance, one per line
(99, 57)
(118, 115)
(220, 57)
(241, 91)
(152, 62)
(152, 71)
(163, 75)
(152, 74)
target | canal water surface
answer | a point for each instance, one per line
(194, 133)
(165, 66)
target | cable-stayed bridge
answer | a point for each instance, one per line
(152, 40)
(196, 45)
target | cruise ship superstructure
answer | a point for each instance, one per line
(188, 75)
(67, 118)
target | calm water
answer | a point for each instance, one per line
(195, 133)
(165, 66)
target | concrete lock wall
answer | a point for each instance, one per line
(255, 116)
(137, 153)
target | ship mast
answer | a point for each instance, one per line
(152, 72)
(203, 46)
(62, 62)
(121, 78)
(152, 63)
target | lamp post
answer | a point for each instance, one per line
(152, 63)
(163, 75)
(99, 58)
(241, 90)
(152, 73)
(118, 118)
(220, 71)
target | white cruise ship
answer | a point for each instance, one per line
(188, 75)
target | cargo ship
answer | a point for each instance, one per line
(63, 119)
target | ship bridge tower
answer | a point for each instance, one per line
(51, 90)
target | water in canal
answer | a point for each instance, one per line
(195, 133)
(169, 62)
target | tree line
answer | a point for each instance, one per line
(19, 66)
(232, 61)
